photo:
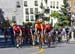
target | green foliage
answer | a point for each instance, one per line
(55, 14)
(27, 24)
(46, 19)
(64, 12)
(62, 17)
(65, 3)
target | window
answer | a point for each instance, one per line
(13, 18)
(32, 18)
(57, 5)
(18, 4)
(31, 10)
(25, 3)
(36, 10)
(53, 4)
(36, 3)
(47, 10)
(27, 12)
(36, 17)
(27, 18)
(41, 6)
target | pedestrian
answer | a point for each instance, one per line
(6, 26)
(63, 32)
(12, 35)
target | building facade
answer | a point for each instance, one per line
(55, 5)
(28, 9)
(11, 11)
(31, 7)
(72, 6)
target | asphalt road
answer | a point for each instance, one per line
(62, 48)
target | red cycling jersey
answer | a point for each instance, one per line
(16, 28)
(49, 27)
(38, 26)
(42, 26)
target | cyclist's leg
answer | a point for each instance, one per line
(48, 42)
(33, 39)
(42, 38)
(20, 41)
(5, 35)
(49, 37)
(17, 41)
(37, 38)
(40, 41)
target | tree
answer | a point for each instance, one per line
(55, 14)
(64, 16)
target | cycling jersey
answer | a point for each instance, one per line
(42, 26)
(48, 28)
(38, 27)
(16, 28)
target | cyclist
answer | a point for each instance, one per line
(43, 32)
(38, 32)
(18, 34)
(48, 33)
